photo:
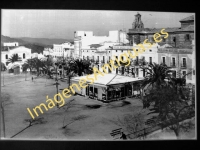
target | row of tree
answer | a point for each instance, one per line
(167, 95)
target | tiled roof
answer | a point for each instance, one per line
(13, 47)
(175, 50)
(6, 48)
(110, 79)
(190, 18)
(95, 45)
(188, 28)
(153, 30)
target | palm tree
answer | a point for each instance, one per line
(3, 67)
(14, 58)
(156, 75)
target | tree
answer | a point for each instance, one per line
(156, 75)
(76, 67)
(169, 107)
(3, 67)
(14, 58)
(5, 100)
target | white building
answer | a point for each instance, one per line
(23, 52)
(84, 40)
(108, 50)
(47, 51)
(65, 49)
(11, 44)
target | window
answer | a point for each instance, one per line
(174, 74)
(173, 61)
(87, 50)
(152, 39)
(184, 62)
(87, 57)
(122, 58)
(97, 58)
(109, 51)
(137, 72)
(187, 37)
(136, 49)
(163, 39)
(83, 57)
(83, 50)
(103, 59)
(23, 55)
(163, 60)
(6, 56)
(150, 60)
(116, 50)
(136, 58)
(183, 74)
(144, 73)
(109, 58)
(122, 51)
(150, 50)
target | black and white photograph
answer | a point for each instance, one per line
(105, 75)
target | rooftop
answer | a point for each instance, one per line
(109, 79)
(188, 28)
(95, 45)
(153, 30)
(174, 50)
(190, 18)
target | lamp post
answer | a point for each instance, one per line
(56, 82)
(25, 75)
(3, 78)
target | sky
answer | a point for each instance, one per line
(63, 23)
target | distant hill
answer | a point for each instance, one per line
(35, 44)
(44, 41)
(37, 41)
(5, 39)
(35, 48)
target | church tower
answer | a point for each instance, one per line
(138, 24)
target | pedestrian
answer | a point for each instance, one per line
(123, 136)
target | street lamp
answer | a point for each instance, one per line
(3, 78)
(56, 82)
(25, 75)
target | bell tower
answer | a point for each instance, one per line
(137, 24)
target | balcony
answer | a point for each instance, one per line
(102, 61)
(173, 65)
(183, 66)
(96, 62)
(135, 62)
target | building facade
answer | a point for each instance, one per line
(180, 37)
(86, 40)
(180, 61)
(63, 50)
(11, 44)
(21, 51)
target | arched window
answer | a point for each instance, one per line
(6, 56)
(23, 55)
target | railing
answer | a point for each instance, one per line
(183, 66)
(96, 61)
(172, 65)
(156, 125)
(102, 61)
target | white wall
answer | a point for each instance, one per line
(11, 44)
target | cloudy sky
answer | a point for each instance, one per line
(63, 23)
